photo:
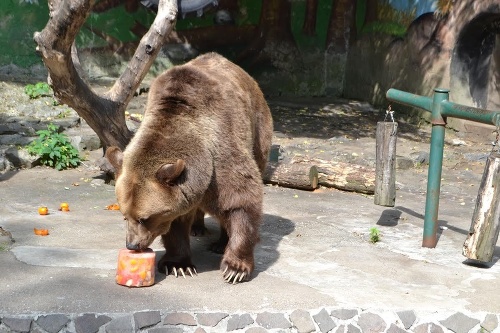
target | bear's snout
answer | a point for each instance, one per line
(133, 246)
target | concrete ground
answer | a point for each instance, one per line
(315, 251)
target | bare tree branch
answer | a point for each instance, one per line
(103, 112)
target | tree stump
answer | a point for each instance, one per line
(385, 171)
(298, 176)
(485, 226)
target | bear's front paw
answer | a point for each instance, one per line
(168, 267)
(235, 273)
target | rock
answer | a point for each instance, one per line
(353, 329)
(490, 322)
(20, 158)
(371, 323)
(476, 157)
(90, 323)
(344, 314)
(15, 139)
(421, 157)
(179, 318)
(4, 163)
(394, 329)
(324, 321)
(302, 320)
(6, 239)
(407, 318)
(18, 324)
(458, 142)
(200, 330)
(210, 319)
(403, 163)
(271, 320)
(146, 319)
(459, 323)
(97, 182)
(120, 325)
(237, 322)
(52, 323)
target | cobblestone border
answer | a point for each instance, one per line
(336, 320)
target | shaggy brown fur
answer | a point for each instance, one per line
(203, 144)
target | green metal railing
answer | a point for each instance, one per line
(440, 108)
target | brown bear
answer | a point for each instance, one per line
(202, 147)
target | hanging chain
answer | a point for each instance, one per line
(389, 112)
(497, 137)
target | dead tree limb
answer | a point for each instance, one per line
(340, 175)
(298, 176)
(103, 112)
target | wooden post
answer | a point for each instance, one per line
(299, 176)
(385, 169)
(483, 233)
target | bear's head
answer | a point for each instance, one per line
(150, 197)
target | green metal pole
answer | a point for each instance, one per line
(435, 169)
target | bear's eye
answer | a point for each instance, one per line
(142, 221)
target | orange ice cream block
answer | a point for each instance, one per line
(136, 268)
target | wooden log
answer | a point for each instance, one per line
(485, 226)
(385, 170)
(339, 175)
(347, 177)
(299, 176)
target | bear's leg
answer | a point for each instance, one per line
(177, 258)
(220, 246)
(243, 231)
(198, 228)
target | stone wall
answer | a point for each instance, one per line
(459, 51)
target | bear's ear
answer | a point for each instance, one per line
(115, 157)
(169, 173)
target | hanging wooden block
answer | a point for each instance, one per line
(385, 168)
(483, 233)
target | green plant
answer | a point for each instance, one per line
(37, 90)
(374, 235)
(64, 114)
(54, 149)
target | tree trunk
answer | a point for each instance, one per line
(309, 27)
(103, 112)
(341, 28)
(371, 14)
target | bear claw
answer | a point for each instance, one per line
(233, 276)
(188, 270)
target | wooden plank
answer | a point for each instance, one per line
(485, 226)
(385, 169)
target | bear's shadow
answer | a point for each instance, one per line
(272, 230)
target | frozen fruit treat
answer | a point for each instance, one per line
(136, 268)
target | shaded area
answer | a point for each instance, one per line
(326, 119)
(471, 60)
